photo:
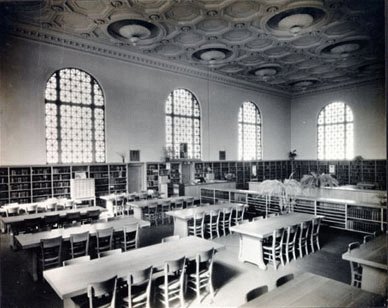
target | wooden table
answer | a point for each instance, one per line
(31, 241)
(73, 280)
(138, 206)
(253, 233)
(310, 290)
(181, 217)
(374, 260)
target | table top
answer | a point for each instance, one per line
(19, 218)
(32, 240)
(310, 290)
(264, 228)
(73, 280)
(186, 214)
(372, 253)
(145, 203)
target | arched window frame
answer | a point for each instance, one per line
(335, 129)
(176, 133)
(256, 123)
(74, 111)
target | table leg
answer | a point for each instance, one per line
(69, 303)
(374, 280)
(138, 213)
(251, 250)
(180, 227)
(34, 263)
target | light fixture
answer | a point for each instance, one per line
(295, 23)
(134, 32)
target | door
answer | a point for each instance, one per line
(135, 177)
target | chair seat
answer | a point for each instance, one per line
(136, 298)
(171, 284)
(203, 273)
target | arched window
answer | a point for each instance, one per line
(335, 132)
(183, 125)
(249, 132)
(75, 118)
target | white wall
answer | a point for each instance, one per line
(368, 105)
(134, 97)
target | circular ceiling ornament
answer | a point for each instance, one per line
(344, 48)
(296, 20)
(133, 30)
(265, 72)
(211, 55)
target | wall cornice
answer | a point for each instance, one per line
(138, 59)
(87, 46)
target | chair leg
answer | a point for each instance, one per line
(211, 288)
(312, 245)
(294, 252)
(300, 249)
(307, 247)
(317, 242)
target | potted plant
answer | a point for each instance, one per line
(292, 154)
(315, 180)
(286, 191)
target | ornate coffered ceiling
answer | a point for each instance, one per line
(288, 45)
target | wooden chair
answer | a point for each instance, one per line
(139, 289)
(32, 225)
(50, 252)
(32, 208)
(303, 241)
(314, 236)
(255, 293)
(368, 238)
(76, 260)
(173, 284)
(118, 206)
(103, 293)
(225, 220)
(104, 239)
(130, 237)
(355, 268)
(273, 248)
(238, 214)
(151, 213)
(51, 221)
(196, 225)
(258, 218)
(284, 279)
(212, 221)
(72, 217)
(289, 244)
(189, 203)
(79, 244)
(202, 277)
(164, 208)
(170, 238)
(11, 211)
(92, 215)
(51, 204)
(177, 205)
(109, 253)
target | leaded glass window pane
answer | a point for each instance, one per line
(75, 118)
(335, 132)
(249, 132)
(183, 124)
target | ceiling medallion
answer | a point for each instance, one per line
(99, 21)
(294, 21)
(303, 84)
(133, 30)
(212, 13)
(211, 55)
(266, 72)
(345, 48)
(57, 8)
(154, 17)
(116, 3)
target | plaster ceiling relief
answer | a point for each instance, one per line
(288, 45)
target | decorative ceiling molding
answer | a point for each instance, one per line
(139, 59)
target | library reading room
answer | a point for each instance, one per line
(193, 153)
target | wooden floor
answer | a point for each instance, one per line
(232, 279)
